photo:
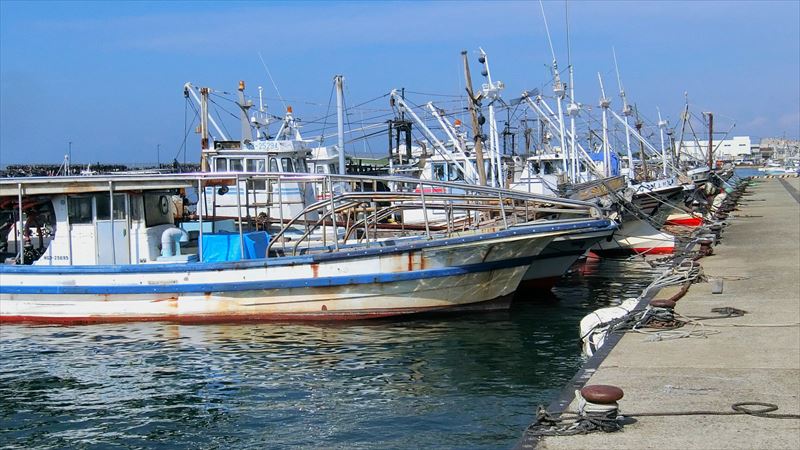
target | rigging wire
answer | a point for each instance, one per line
(272, 80)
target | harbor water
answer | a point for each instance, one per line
(455, 381)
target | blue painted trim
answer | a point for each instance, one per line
(375, 278)
(586, 226)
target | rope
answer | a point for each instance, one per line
(570, 423)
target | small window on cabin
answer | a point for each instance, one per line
(321, 168)
(136, 207)
(548, 168)
(220, 165)
(235, 165)
(287, 164)
(332, 168)
(256, 165)
(103, 205)
(455, 173)
(439, 172)
(273, 165)
(80, 210)
(535, 168)
(301, 166)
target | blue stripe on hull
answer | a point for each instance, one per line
(200, 288)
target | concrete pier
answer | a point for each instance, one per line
(755, 357)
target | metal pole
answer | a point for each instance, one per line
(339, 80)
(200, 193)
(710, 140)
(280, 209)
(20, 227)
(239, 213)
(333, 216)
(425, 211)
(111, 216)
(69, 233)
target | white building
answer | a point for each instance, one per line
(738, 147)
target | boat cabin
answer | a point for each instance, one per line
(60, 221)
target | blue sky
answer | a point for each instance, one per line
(108, 76)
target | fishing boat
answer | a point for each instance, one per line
(110, 249)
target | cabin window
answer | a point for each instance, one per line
(273, 165)
(235, 165)
(80, 210)
(548, 168)
(220, 165)
(287, 164)
(256, 165)
(535, 168)
(321, 168)
(455, 173)
(301, 166)
(439, 171)
(103, 206)
(332, 168)
(136, 207)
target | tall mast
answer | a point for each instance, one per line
(642, 154)
(605, 103)
(626, 111)
(247, 134)
(558, 90)
(476, 125)
(710, 140)
(661, 125)
(491, 91)
(204, 129)
(572, 108)
(339, 80)
(684, 119)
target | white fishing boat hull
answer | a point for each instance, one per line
(381, 281)
(554, 261)
(636, 236)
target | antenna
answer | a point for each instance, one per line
(625, 107)
(272, 80)
(547, 30)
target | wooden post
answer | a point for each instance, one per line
(476, 127)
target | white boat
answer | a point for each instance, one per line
(101, 266)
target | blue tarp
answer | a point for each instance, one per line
(614, 161)
(226, 246)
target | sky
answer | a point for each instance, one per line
(109, 76)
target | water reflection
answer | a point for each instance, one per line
(470, 381)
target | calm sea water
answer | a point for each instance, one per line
(466, 381)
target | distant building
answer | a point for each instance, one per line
(738, 147)
(779, 148)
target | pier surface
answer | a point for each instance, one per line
(755, 357)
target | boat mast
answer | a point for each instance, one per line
(626, 111)
(204, 129)
(558, 90)
(661, 125)
(642, 154)
(710, 140)
(492, 92)
(339, 81)
(572, 108)
(476, 123)
(605, 103)
(684, 119)
(245, 105)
